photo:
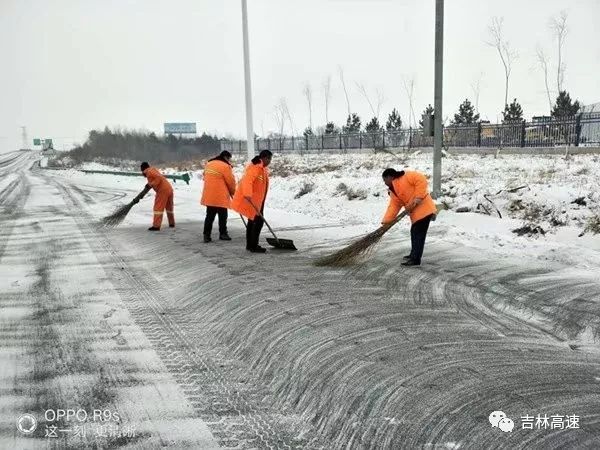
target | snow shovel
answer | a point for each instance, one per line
(282, 244)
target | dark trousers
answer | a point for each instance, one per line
(253, 232)
(418, 233)
(211, 213)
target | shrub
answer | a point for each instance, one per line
(351, 194)
(308, 187)
(592, 224)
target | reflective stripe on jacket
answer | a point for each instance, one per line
(219, 184)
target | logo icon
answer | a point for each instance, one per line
(506, 425)
(499, 420)
(27, 423)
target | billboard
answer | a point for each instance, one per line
(180, 128)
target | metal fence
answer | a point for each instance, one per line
(580, 130)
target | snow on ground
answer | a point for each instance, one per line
(383, 356)
(558, 195)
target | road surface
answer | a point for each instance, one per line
(206, 346)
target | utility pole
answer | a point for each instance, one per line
(248, 85)
(24, 138)
(437, 97)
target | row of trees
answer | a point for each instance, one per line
(144, 146)
(563, 106)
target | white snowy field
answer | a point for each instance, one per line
(345, 191)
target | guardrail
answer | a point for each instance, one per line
(184, 177)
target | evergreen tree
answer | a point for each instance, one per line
(373, 126)
(330, 128)
(426, 112)
(394, 122)
(466, 114)
(512, 112)
(564, 106)
(353, 124)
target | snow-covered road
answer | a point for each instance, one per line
(199, 345)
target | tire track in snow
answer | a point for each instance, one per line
(241, 420)
(432, 351)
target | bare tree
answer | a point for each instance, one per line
(507, 55)
(559, 27)
(341, 72)
(327, 94)
(476, 88)
(379, 99)
(409, 88)
(543, 60)
(286, 111)
(308, 94)
(279, 115)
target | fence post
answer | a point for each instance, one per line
(577, 130)
(523, 132)
(479, 129)
(409, 137)
(307, 143)
(340, 140)
(383, 139)
(322, 143)
(240, 146)
(360, 139)
(293, 146)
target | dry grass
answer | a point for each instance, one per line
(306, 188)
(593, 224)
(284, 167)
(350, 193)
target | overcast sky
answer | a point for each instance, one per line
(69, 66)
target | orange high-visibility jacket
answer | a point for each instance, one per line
(406, 188)
(219, 184)
(254, 184)
(157, 181)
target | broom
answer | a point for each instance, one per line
(118, 215)
(360, 248)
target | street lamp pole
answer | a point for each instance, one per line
(248, 85)
(437, 118)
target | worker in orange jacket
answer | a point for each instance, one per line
(219, 187)
(163, 199)
(249, 198)
(409, 190)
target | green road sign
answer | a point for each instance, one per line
(37, 142)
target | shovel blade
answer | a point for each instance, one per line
(282, 244)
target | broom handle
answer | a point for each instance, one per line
(396, 220)
(264, 220)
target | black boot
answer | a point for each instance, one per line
(153, 229)
(411, 262)
(207, 239)
(224, 237)
(257, 249)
